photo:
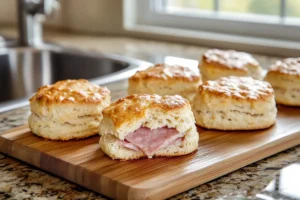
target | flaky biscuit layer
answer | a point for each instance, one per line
(221, 63)
(284, 76)
(165, 79)
(235, 103)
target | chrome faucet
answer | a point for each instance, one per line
(31, 13)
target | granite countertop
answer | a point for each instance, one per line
(21, 181)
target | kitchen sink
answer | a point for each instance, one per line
(24, 70)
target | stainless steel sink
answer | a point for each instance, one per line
(24, 70)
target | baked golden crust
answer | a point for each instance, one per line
(229, 59)
(235, 103)
(164, 79)
(71, 91)
(244, 88)
(167, 72)
(284, 76)
(135, 106)
(288, 66)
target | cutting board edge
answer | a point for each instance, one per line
(289, 143)
(18, 128)
(148, 193)
(32, 151)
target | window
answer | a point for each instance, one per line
(275, 19)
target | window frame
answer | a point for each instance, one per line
(151, 13)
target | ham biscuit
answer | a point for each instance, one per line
(148, 126)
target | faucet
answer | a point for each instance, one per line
(31, 13)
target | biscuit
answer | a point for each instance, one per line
(69, 109)
(235, 103)
(148, 126)
(165, 79)
(284, 76)
(222, 63)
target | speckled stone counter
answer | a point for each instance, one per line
(21, 181)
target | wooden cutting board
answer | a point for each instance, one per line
(219, 153)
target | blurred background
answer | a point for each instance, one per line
(171, 31)
(240, 6)
(74, 15)
(204, 19)
(106, 41)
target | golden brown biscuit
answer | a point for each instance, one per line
(222, 63)
(148, 125)
(69, 109)
(235, 103)
(284, 76)
(165, 79)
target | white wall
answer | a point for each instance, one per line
(101, 16)
(8, 14)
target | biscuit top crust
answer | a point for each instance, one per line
(71, 91)
(135, 106)
(290, 66)
(229, 59)
(167, 72)
(238, 88)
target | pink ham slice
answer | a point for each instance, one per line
(150, 141)
(128, 145)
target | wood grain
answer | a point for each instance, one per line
(219, 153)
